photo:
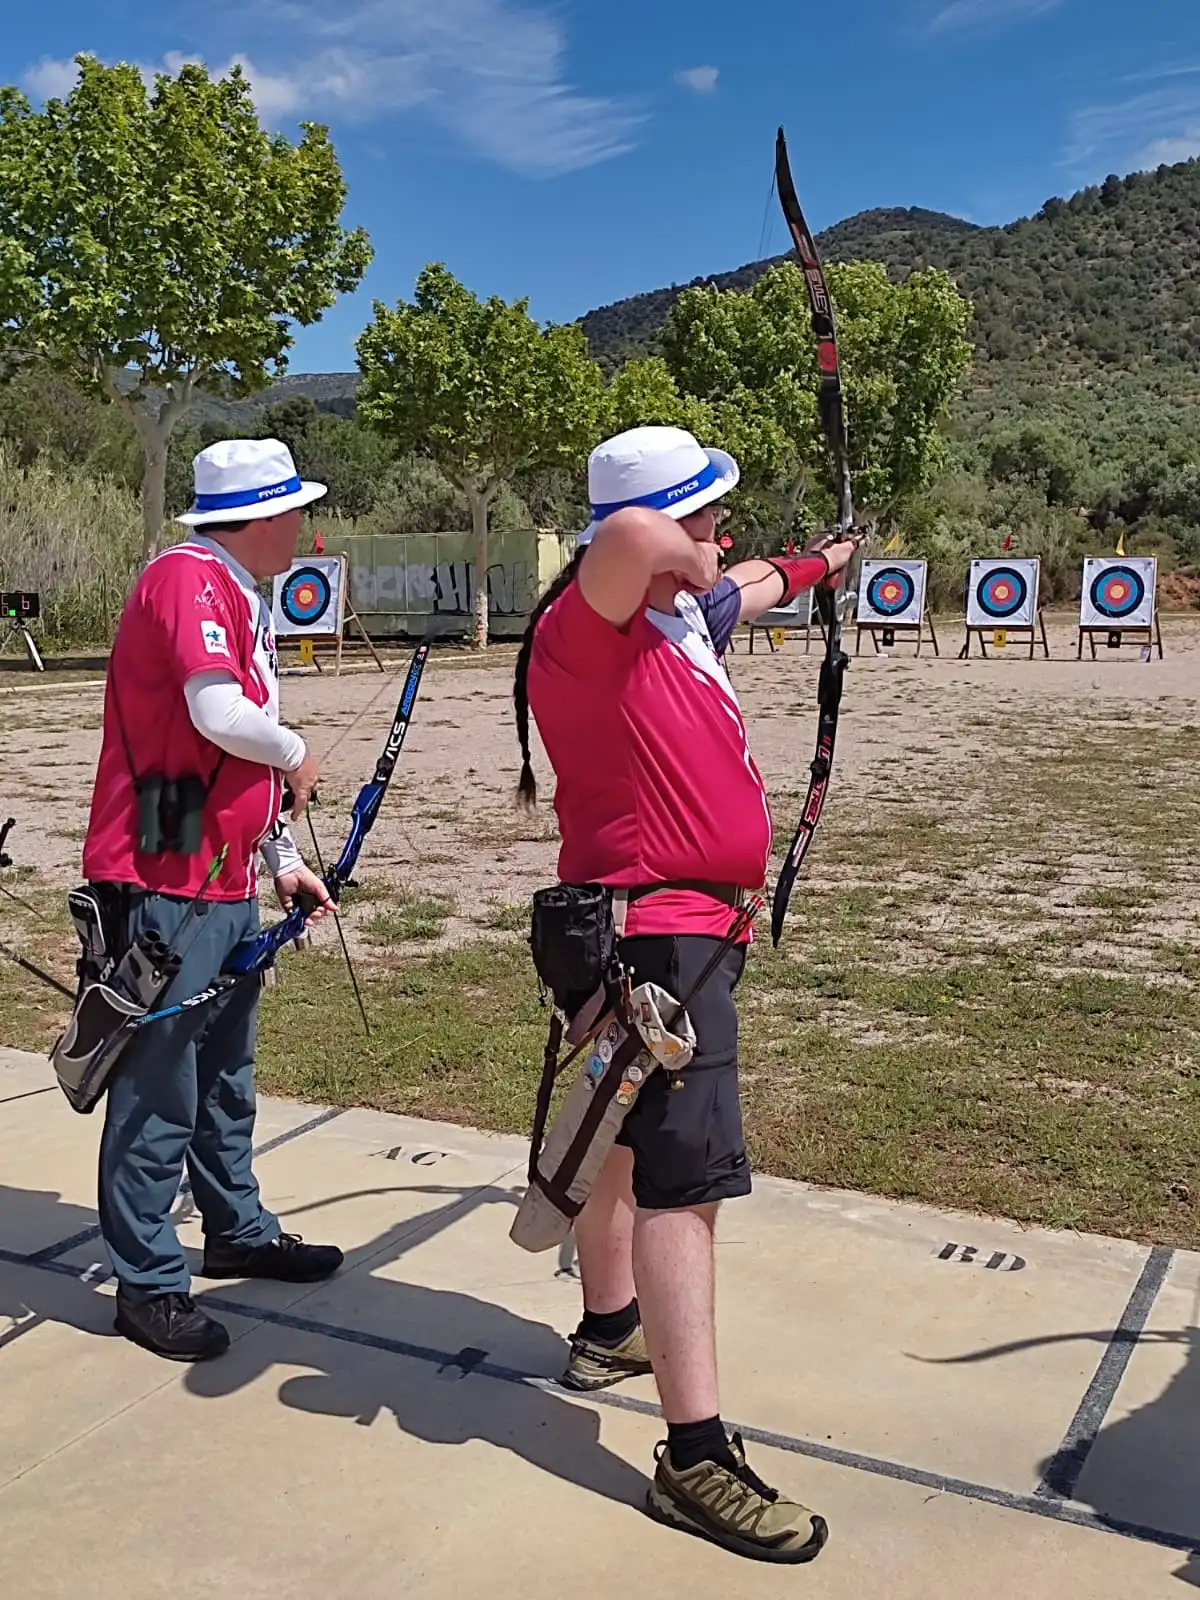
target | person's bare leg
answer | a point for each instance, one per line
(604, 1237)
(673, 1270)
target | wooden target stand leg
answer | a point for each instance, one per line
(1116, 638)
(890, 632)
(1036, 631)
(367, 640)
(308, 646)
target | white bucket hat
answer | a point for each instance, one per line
(240, 480)
(663, 468)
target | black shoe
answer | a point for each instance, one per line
(172, 1325)
(286, 1257)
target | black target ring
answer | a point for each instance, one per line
(1002, 593)
(305, 596)
(1117, 592)
(891, 591)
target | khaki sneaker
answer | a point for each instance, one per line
(734, 1508)
(598, 1366)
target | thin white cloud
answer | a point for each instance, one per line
(491, 71)
(273, 96)
(1145, 131)
(1170, 151)
(961, 16)
(50, 79)
(1180, 69)
(703, 80)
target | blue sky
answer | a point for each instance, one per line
(576, 151)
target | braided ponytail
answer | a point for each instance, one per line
(527, 785)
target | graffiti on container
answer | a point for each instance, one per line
(447, 589)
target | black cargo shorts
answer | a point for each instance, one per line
(687, 1143)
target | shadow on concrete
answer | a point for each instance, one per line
(434, 1383)
(28, 1297)
(428, 1384)
(1143, 1470)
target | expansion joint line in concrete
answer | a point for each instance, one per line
(1049, 1505)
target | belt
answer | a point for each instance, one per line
(729, 894)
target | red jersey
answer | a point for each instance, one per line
(655, 780)
(188, 613)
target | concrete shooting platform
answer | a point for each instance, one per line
(981, 1411)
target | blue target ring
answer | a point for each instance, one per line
(1002, 593)
(1117, 592)
(891, 591)
(305, 596)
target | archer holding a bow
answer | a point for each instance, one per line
(659, 800)
(193, 759)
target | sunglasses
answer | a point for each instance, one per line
(717, 512)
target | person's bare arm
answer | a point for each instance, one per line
(633, 547)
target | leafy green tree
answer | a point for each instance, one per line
(482, 390)
(154, 244)
(290, 421)
(753, 357)
(1042, 455)
(349, 459)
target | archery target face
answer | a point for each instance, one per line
(308, 598)
(1002, 594)
(891, 593)
(1118, 592)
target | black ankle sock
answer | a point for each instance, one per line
(690, 1443)
(610, 1327)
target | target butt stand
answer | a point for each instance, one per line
(1119, 598)
(892, 631)
(1149, 637)
(311, 603)
(1002, 599)
(891, 601)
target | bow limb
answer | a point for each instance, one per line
(830, 605)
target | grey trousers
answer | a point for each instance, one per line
(184, 1091)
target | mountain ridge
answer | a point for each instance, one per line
(1099, 284)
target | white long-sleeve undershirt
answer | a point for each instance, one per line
(222, 714)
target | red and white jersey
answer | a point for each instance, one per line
(192, 610)
(655, 780)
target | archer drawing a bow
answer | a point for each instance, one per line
(831, 407)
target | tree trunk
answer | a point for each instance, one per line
(480, 503)
(154, 492)
(154, 429)
(792, 502)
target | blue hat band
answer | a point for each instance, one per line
(663, 499)
(247, 497)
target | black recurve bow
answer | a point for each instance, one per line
(831, 406)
